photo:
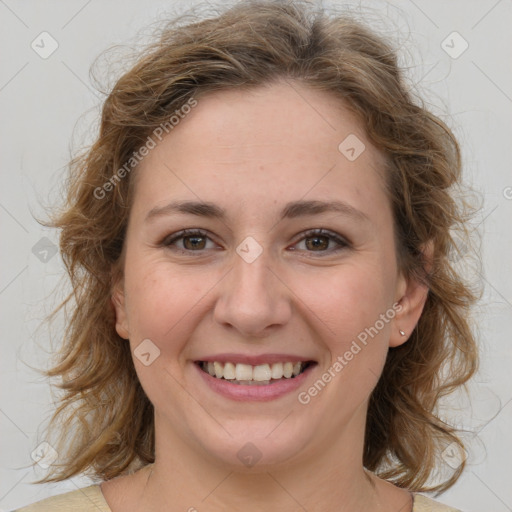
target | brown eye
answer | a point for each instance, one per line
(194, 242)
(317, 242)
(322, 241)
(188, 241)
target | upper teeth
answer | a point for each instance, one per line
(261, 372)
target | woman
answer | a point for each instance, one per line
(259, 245)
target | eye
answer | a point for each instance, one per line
(188, 240)
(314, 240)
(321, 241)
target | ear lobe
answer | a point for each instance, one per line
(407, 317)
(118, 301)
(412, 301)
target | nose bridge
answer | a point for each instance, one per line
(252, 299)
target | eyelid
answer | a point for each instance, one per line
(174, 237)
(342, 242)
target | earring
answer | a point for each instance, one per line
(402, 333)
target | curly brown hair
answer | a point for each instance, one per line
(105, 419)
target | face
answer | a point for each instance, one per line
(290, 266)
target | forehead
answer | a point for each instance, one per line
(278, 142)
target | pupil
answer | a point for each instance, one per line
(316, 244)
(193, 244)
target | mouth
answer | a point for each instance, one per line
(254, 375)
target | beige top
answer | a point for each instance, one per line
(90, 499)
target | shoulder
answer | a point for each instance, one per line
(88, 499)
(424, 504)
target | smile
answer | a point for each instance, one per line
(257, 375)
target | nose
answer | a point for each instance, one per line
(253, 299)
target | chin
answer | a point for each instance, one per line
(250, 448)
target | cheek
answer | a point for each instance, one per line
(164, 301)
(348, 303)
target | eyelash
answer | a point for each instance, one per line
(317, 232)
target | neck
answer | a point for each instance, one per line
(326, 476)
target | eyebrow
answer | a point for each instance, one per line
(291, 210)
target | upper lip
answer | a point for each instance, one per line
(255, 360)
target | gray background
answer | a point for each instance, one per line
(49, 107)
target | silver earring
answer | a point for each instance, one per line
(402, 333)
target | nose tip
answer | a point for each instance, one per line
(252, 300)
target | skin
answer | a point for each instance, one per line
(251, 152)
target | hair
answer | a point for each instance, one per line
(105, 420)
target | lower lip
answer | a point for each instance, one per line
(261, 393)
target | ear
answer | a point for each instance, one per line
(118, 299)
(411, 297)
